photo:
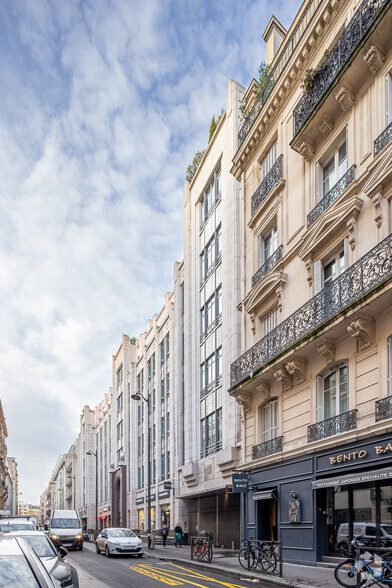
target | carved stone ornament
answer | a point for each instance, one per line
(282, 375)
(362, 329)
(328, 350)
(309, 268)
(375, 59)
(264, 390)
(351, 224)
(326, 126)
(244, 399)
(279, 294)
(376, 197)
(297, 368)
(307, 150)
(252, 317)
(345, 98)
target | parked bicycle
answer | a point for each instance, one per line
(362, 566)
(258, 554)
(202, 547)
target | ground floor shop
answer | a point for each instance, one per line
(218, 514)
(315, 503)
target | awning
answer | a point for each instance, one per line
(385, 474)
(263, 495)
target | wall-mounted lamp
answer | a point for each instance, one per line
(293, 494)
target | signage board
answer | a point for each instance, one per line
(139, 500)
(385, 474)
(240, 482)
(167, 485)
(164, 494)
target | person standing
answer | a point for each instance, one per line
(178, 535)
(164, 533)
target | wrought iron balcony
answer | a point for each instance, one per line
(269, 264)
(270, 180)
(384, 408)
(332, 195)
(285, 55)
(383, 140)
(365, 274)
(267, 448)
(352, 38)
(333, 426)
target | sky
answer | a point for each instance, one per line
(103, 106)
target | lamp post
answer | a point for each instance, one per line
(140, 396)
(96, 487)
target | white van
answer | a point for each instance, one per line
(367, 532)
(65, 528)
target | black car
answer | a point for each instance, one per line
(49, 556)
(20, 566)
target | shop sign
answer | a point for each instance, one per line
(240, 482)
(167, 485)
(357, 455)
(385, 474)
(164, 494)
(139, 500)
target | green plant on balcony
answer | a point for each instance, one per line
(192, 167)
(311, 75)
(264, 71)
(214, 124)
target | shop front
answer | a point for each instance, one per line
(319, 502)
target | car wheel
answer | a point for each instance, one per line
(107, 552)
(140, 555)
(97, 548)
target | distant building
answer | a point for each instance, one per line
(3, 460)
(12, 486)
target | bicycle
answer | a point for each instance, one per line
(356, 570)
(258, 554)
(202, 548)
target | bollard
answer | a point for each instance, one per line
(233, 545)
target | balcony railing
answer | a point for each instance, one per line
(284, 57)
(211, 269)
(332, 195)
(383, 140)
(384, 408)
(267, 448)
(353, 36)
(211, 449)
(215, 323)
(269, 264)
(270, 180)
(365, 274)
(333, 426)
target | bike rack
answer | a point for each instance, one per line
(204, 553)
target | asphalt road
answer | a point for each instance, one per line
(98, 571)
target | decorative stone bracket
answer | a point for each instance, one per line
(297, 369)
(326, 126)
(307, 150)
(374, 58)
(345, 98)
(376, 197)
(328, 350)
(264, 390)
(363, 330)
(282, 375)
(244, 399)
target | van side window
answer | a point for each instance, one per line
(370, 531)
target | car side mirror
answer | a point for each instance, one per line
(62, 552)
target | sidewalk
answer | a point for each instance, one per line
(226, 561)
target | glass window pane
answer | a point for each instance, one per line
(330, 395)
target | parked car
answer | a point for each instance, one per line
(50, 557)
(20, 566)
(367, 532)
(16, 524)
(116, 541)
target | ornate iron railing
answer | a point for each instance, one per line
(215, 323)
(383, 140)
(211, 449)
(267, 448)
(353, 36)
(384, 408)
(332, 195)
(365, 274)
(333, 426)
(211, 269)
(284, 57)
(270, 180)
(265, 268)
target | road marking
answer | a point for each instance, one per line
(178, 576)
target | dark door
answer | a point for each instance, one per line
(267, 528)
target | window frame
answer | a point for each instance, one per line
(339, 393)
(269, 420)
(332, 154)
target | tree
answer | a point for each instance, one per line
(192, 167)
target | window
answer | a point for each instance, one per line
(329, 173)
(210, 252)
(210, 433)
(267, 245)
(388, 100)
(269, 420)
(270, 321)
(119, 376)
(269, 160)
(389, 360)
(332, 391)
(211, 195)
(119, 430)
(211, 310)
(327, 270)
(119, 402)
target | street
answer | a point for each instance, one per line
(97, 571)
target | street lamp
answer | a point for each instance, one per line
(140, 396)
(96, 487)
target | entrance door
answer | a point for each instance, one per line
(267, 528)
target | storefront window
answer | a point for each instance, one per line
(140, 519)
(165, 515)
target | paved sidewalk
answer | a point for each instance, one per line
(226, 561)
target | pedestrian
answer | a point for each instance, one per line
(178, 535)
(164, 533)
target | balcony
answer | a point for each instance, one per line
(332, 195)
(384, 408)
(270, 180)
(333, 426)
(364, 275)
(269, 264)
(339, 58)
(211, 449)
(267, 448)
(383, 140)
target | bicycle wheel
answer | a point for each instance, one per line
(268, 561)
(210, 554)
(198, 550)
(346, 574)
(243, 556)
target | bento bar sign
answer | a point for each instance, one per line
(354, 455)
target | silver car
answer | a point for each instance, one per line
(116, 541)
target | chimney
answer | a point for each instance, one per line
(274, 35)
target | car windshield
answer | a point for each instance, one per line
(387, 529)
(121, 533)
(16, 527)
(40, 544)
(65, 524)
(14, 571)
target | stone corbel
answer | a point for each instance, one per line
(307, 150)
(282, 375)
(345, 98)
(351, 224)
(374, 58)
(376, 197)
(297, 368)
(328, 350)
(244, 399)
(309, 269)
(326, 126)
(363, 330)
(279, 294)
(252, 317)
(264, 390)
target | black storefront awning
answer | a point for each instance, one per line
(385, 474)
(263, 495)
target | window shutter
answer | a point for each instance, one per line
(388, 98)
(260, 250)
(317, 271)
(319, 399)
(319, 182)
(346, 246)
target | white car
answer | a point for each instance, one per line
(116, 541)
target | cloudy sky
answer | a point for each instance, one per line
(103, 105)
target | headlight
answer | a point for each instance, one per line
(53, 536)
(140, 542)
(79, 536)
(68, 581)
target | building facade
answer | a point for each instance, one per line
(314, 377)
(3, 460)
